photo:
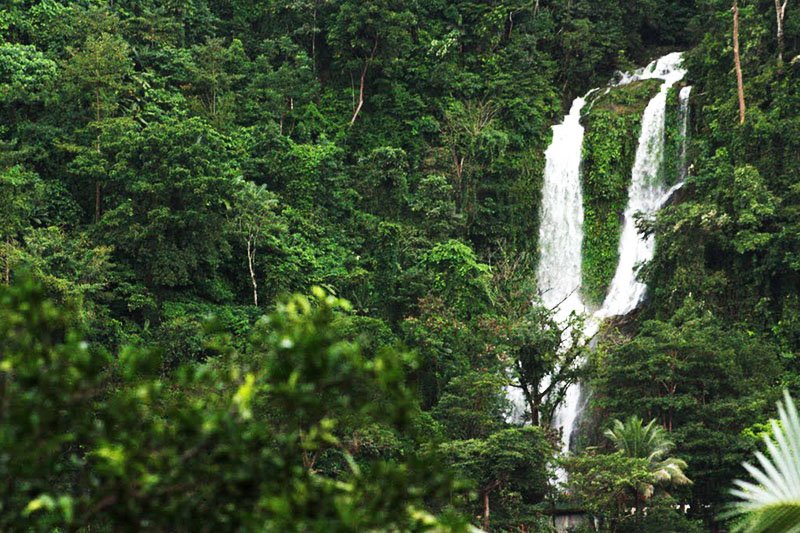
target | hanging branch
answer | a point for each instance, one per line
(363, 81)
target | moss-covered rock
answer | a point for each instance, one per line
(613, 122)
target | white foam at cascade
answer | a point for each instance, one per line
(561, 227)
(561, 224)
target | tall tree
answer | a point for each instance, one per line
(254, 219)
(367, 33)
(173, 183)
(650, 442)
(98, 74)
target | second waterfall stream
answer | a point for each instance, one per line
(559, 273)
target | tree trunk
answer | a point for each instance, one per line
(251, 256)
(97, 185)
(97, 196)
(314, 40)
(737, 61)
(363, 82)
(485, 520)
(780, 14)
(7, 275)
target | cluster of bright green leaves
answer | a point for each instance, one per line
(613, 122)
(92, 440)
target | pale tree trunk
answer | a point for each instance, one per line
(314, 39)
(485, 521)
(737, 61)
(486, 510)
(362, 82)
(251, 259)
(780, 14)
(97, 185)
(7, 274)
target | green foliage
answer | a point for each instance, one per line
(172, 185)
(606, 483)
(25, 73)
(609, 149)
(107, 442)
(772, 505)
(650, 442)
(702, 382)
(473, 405)
(146, 146)
(508, 469)
(458, 277)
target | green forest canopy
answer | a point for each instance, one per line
(172, 172)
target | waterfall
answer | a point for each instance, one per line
(561, 227)
(683, 98)
(559, 271)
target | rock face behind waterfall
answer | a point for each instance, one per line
(605, 167)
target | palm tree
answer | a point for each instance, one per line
(650, 442)
(774, 503)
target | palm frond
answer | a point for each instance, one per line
(651, 442)
(772, 503)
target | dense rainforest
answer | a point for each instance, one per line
(271, 265)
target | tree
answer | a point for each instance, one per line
(106, 442)
(472, 135)
(651, 443)
(699, 380)
(213, 76)
(545, 358)
(458, 277)
(780, 15)
(173, 183)
(434, 201)
(25, 73)
(99, 74)
(254, 219)
(508, 467)
(369, 32)
(738, 61)
(473, 405)
(384, 181)
(20, 199)
(605, 483)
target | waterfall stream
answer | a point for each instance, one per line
(559, 271)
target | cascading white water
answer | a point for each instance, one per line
(683, 98)
(561, 224)
(561, 227)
